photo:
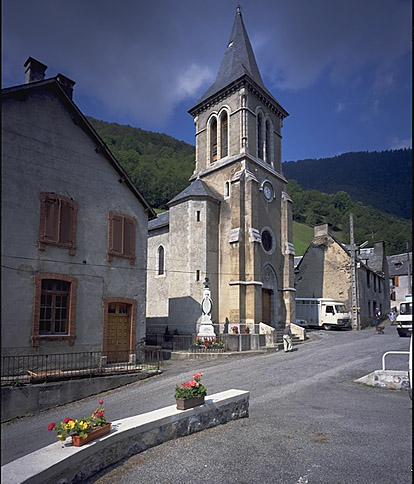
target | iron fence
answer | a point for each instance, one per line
(16, 370)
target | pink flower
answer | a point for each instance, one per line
(51, 426)
(100, 402)
(100, 414)
(67, 419)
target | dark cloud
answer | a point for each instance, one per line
(139, 61)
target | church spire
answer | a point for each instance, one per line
(238, 60)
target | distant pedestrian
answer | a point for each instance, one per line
(377, 318)
(287, 338)
(392, 317)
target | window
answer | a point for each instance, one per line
(395, 281)
(57, 222)
(198, 216)
(268, 142)
(161, 253)
(224, 136)
(329, 310)
(197, 275)
(54, 308)
(121, 236)
(213, 140)
(260, 136)
(227, 189)
(375, 281)
(368, 279)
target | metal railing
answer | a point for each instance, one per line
(16, 370)
(392, 353)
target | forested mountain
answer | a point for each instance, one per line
(311, 207)
(381, 179)
(161, 166)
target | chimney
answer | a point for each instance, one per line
(66, 83)
(35, 70)
(322, 229)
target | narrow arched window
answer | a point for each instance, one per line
(160, 260)
(227, 189)
(260, 136)
(224, 135)
(213, 140)
(268, 142)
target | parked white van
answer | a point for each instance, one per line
(323, 312)
(405, 317)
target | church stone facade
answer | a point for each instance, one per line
(233, 223)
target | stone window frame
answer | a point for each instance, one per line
(216, 138)
(273, 248)
(56, 239)
(71, 335)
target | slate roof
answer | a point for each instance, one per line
(162, 220)
(197, 189)
(238, 62)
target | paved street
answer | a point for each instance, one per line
(309, 421)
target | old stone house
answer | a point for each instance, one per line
(400, 269)
(325, 271)
(74, 229)
(233, 223)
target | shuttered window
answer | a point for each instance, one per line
(122, 230)
(58, 216)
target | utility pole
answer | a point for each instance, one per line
(409, 269)
(354, 291)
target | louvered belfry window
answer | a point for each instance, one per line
(58, 216)
(121, 236)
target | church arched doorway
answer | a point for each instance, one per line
(269, 295)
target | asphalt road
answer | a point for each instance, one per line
(309, 421)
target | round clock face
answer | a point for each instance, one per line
(268, 192)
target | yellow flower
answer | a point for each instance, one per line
(83, 425)
(71, 424)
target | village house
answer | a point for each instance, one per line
(324, 271)
(74, 230)
(400, 269)
(233, 223)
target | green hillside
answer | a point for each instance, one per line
(381, 179)
(160, 166)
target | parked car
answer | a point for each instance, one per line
(302, 323)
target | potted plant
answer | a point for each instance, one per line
(235, 329)
(191, 393)
(246, 330)
(83, 430)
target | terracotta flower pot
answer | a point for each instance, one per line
(186, 403)
(77, 441)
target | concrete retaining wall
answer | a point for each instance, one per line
(394, 379)
(20, 401)
(61, 462)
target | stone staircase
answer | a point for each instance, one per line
(279, 339)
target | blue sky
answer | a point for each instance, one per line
(342, 69)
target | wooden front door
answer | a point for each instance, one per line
(266, 306)
(119, 323)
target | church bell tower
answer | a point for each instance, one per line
(238, 157)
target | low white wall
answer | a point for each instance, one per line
(63, 463)
(394, 379)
